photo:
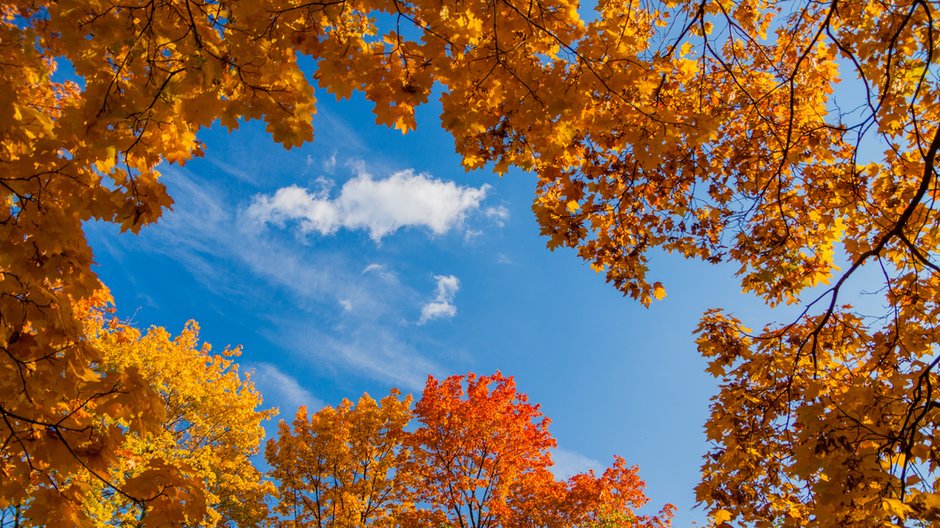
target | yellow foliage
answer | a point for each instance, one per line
(210, 427)
(345, 467)
(167, 445)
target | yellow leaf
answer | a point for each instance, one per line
(659, 291)
(721, 516)
(896, 508)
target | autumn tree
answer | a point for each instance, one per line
(609, 500)
(211, 427)
(193, 469)
(345, 467)
(479, 442)
(479, 458)
(65, 417)
(484, 456)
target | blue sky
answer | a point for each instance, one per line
(368, 259)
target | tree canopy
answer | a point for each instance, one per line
(479, 458)
(345, 466)
(176, 455)
(717, 130)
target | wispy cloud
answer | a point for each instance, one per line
(232, 170)
(570, 463)
(371, 350)
(381, 271)
(442, 306)
(329, 164)
(281, 389)
(498, 214)
(379, 206)
(346, 311)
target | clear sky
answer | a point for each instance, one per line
(368, 259)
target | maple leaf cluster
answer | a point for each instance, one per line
(168, 444)
(478, 457)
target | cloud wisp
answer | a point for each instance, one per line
(342, 308)
(371, 349)
(378, 206)
(498, 214)
(442, 306)
(281, 389)
(381, 271)
(570, 463)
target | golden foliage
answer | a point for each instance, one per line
(344, 466)
(712, 129)
(720, 134)
(479, 458)
(211, 426)
(183, 461)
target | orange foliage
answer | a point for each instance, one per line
(478, 447)
(344, 466)
(480, 458)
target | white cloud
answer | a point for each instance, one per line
(382, 272)
(282, 390)
(442, 307)
(381, 207)
(324, 186)
(471, 234)
(233, 257)
(437, 310)
(447, 286)
(570, 463)
(499, 214)
(329, 164)
(502, 258)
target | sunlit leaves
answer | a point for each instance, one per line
(481, 444)
(196, 464)
(478, 457)
(796, 140)
(165, 442)
(345, 466)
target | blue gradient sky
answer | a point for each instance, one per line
(324, 315)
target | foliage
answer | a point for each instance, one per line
(480, 458)
(715, 130)
(193, 468)
(477, 446)
(141, 79)
(712, 129)
(211, 427)
(485, 455)
(344, 466)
